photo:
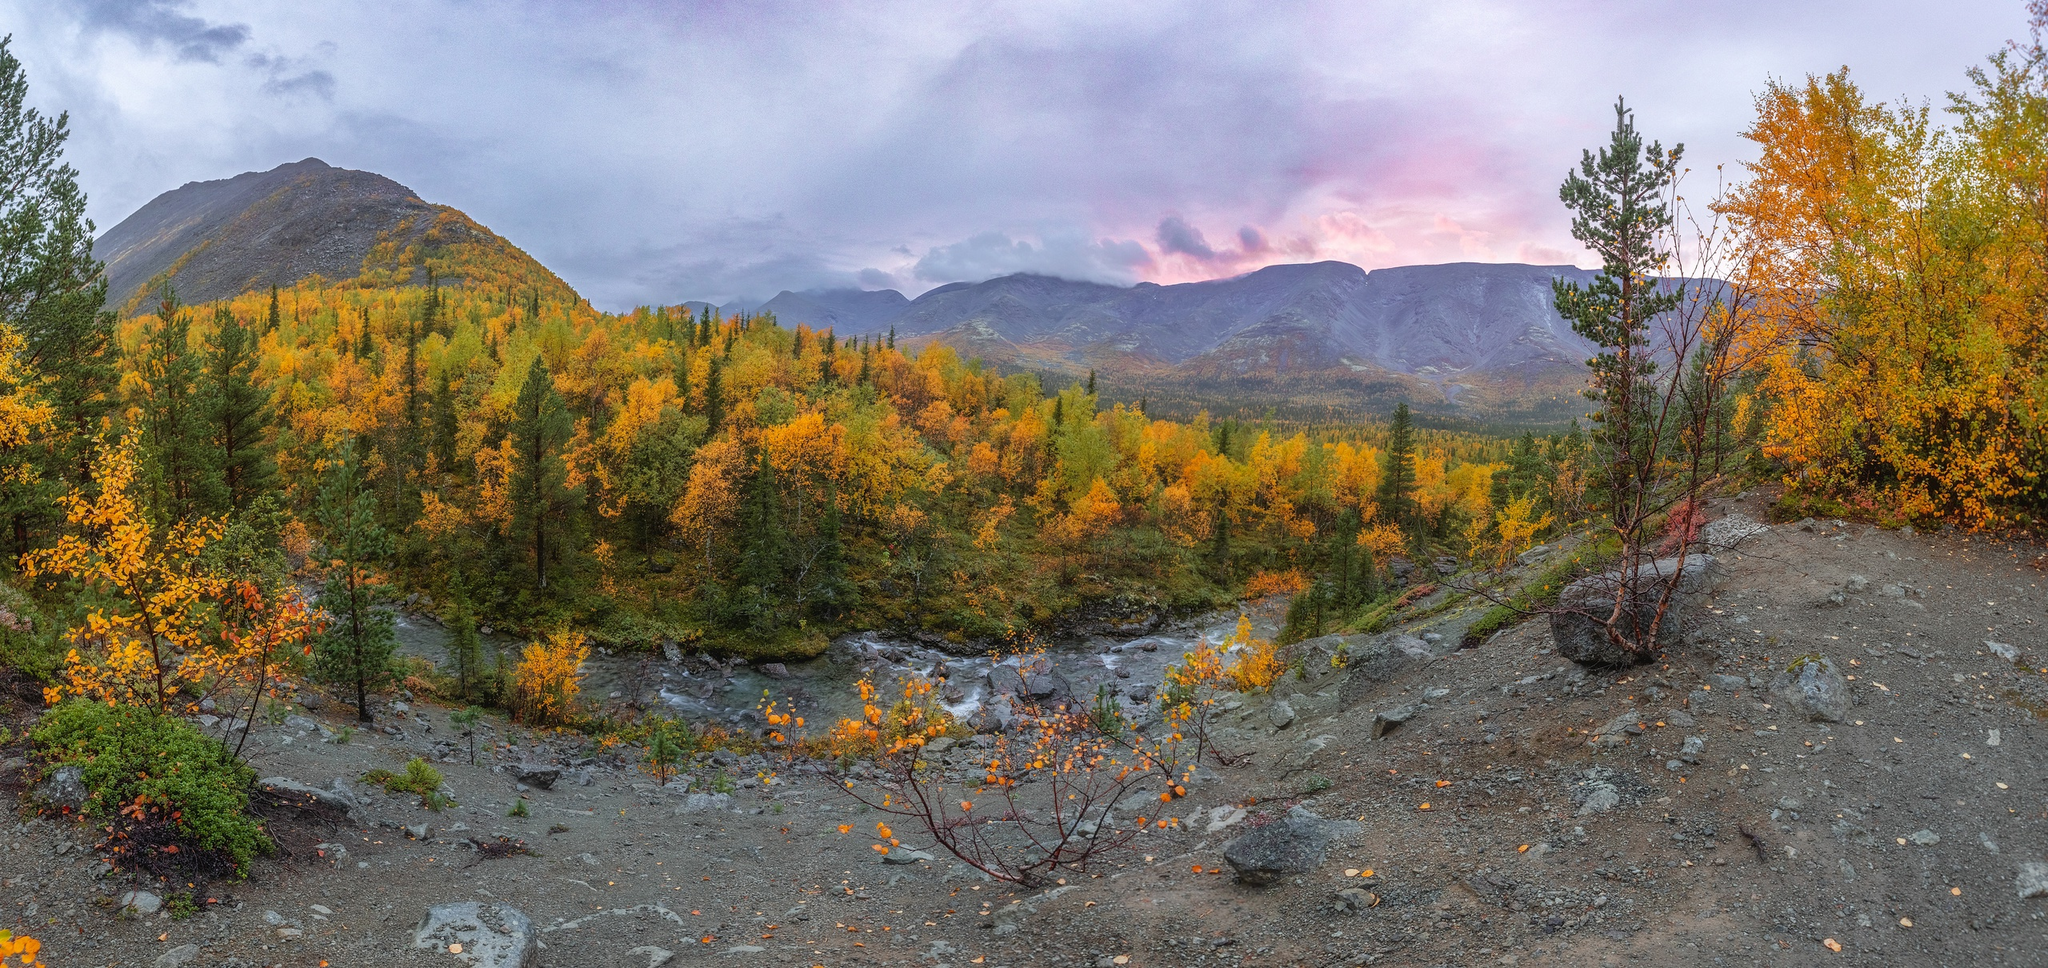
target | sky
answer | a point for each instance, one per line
(652, 152)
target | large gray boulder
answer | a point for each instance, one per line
(1815, 688)
(1294, 844)
(306, 796)
(63, 789)
(491, 935)
(1579, 623)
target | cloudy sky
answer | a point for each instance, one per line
(657, 151)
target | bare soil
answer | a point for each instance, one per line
(1896, 834)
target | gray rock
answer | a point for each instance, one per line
(1533, 555)
(656, 957)
(901, 855)
(62, 789)
(1923, 838)
(1596, 792)
(1004, 680)
(704, 803)
(1383, 722)
(1856, 585)
(2002, 650)
(1579, 623)
(1280, 714)
(1618, 730)
(2033, 879)
(1295, 844)
(1412, 646)
(1814, 688)
(306, 796)
(177, 956)
(300, 724)
(1694, 745)
(539, 775)
(419, 831)
(491, 935)
(994, 716)
(774, 670)
(139, 904)
(1356, 900)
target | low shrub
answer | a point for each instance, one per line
(419, 777)
(170, 797)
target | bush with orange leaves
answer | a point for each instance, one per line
(548, 678)
(1054, 789)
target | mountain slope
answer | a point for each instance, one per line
(1475, 337)
(217, 239)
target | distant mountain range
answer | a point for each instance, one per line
(1323, 340)
(1466, 336)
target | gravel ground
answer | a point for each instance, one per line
(1569, 820)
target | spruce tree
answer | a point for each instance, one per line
(446, 426)
(52, 293)
(270, 322)
(1397, 483)
(1091, 381)
(237, 413)
(764, 547)
(183, 479)
(541, 497)
(355, 652)
(714, 399)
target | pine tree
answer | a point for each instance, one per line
(714, 399)
(237, 413)
(53, 293)
(1091, 381)
(363, 347)
(270, 322)
(183, 480)
(541, 496)
(764, 547)
(446, 425)
(1397, 484)
(357, 648)
(892, 337)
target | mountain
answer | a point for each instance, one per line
(216, 239)
(1478, 339)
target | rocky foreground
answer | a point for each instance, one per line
(1838, 763)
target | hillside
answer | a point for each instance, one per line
(1471, 338)
(218, 239)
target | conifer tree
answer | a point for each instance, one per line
(446, 424)
(714, 399)
(1397, 484)
(541, 496)
(764, 548)
(183, 477)
(270, 322)
(356, 650)
(53, 293)
(237, 413)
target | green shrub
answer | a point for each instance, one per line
(419, 777)
(130, 757)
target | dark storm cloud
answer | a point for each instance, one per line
(651, 152)
(163, 22)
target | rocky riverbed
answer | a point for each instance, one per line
(1422, 805)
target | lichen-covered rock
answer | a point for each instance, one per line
(1294, 844)
(1580, 622)
(1815, 688)
(490, 935)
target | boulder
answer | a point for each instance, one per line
(703, 802)
(1815, 688)
(139, 904)
(177, 956)
(1383, 722)
(539, 775)
(774, 670)
(62, 789)
(2032, 880)
(1579, 623)
(1281, 714)
(1005, 680)
(994, 716)
(305, 796)
(490, 935)
(1294, 844)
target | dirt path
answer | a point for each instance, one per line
(1568, 824)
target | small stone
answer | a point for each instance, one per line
(775, 670)
(418, 831)
(1924, 837)
(538, 775)
(1356, 900)
(1385, 721)
(1281, 714)
(703, 802)
(903, 856)
(2033, 880)
(1813, 686)
(139, 904)
(1295, 844)
(290, 934)
(1694, 745)
(2002, 650)
(322, 909)
(177, 956)
(656, 957)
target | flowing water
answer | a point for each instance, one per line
(825, 689)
